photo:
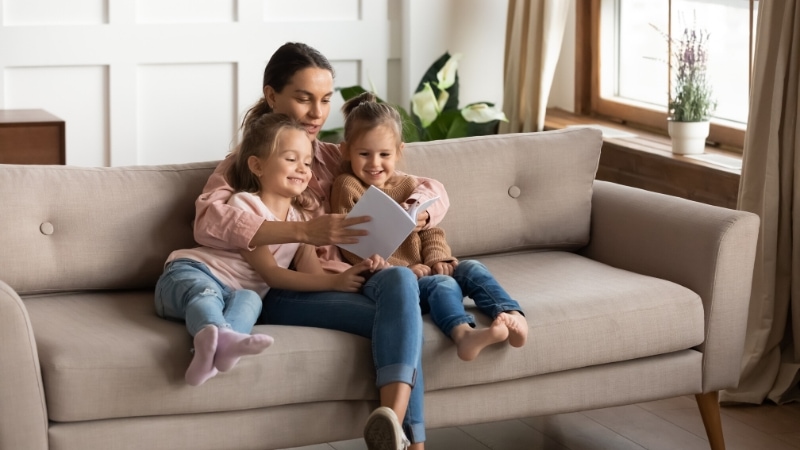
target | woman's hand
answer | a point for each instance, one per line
(350, 280)
(420, 270)
(444, 267)
(332, 229)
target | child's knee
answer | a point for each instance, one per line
(249, 298)
(469, 265)
(446, 282)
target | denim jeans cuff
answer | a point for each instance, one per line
(468, 319)
(415, 432)
(395, 373)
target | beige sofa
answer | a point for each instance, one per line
(630, 296)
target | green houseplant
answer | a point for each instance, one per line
(691, 101)
(435, 113)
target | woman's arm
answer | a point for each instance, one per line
(219, 225)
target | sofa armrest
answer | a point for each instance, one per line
(708, 249)
(23, 408)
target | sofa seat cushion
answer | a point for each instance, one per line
(580, 313)
(106, 355)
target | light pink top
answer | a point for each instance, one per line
(217, 225)
(229, 265)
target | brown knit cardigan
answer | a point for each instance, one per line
(425, 247)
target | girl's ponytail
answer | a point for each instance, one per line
(355, 102)
(364, 112)
(259, 109)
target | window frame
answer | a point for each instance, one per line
(588, 99)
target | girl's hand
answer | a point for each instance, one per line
(333, 229)
(444, 267)
(420, 270)
(422, 220)
(378, 263)
(350, 280)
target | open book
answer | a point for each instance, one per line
(390, 224)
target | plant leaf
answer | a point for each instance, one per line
(432, 76)
(351, 91)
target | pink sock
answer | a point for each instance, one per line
(232, 345)
(202, 366)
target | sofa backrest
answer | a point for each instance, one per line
(68, 228)
(74, 228)
(513, 192)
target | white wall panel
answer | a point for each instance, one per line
(123, 115)
(78, 95)
(49, 12)
(185, 11)
(348, 73)
(305, 10)
(185, 112)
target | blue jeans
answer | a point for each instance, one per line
(388, 313)
(187, 290)
(443, 296)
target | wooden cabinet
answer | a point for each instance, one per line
(31, 136)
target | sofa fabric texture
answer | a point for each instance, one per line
(630, 296)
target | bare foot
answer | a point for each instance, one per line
(202, 366)
(233, 345)
(471, 341)
(517, 327)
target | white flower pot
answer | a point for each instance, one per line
(688, 138)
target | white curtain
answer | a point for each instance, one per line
(534, 31)
(770, 187)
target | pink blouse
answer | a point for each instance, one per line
(219, 225)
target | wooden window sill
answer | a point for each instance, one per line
(643, 159)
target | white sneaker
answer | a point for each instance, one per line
(383, 431)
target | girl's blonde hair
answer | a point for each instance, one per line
(363, 113)
(260, 139)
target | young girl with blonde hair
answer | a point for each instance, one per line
(371, 149)
(218, 292)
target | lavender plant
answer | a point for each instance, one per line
(691, 99)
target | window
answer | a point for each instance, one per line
(625, 46)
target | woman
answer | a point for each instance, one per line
(298, 81)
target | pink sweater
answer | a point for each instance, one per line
(221, 226)
(228, 265)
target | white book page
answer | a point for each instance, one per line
(389, 227)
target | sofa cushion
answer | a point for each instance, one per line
(515, 191)
(107, 355)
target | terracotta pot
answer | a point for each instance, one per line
(688, 138)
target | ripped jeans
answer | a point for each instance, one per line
(188, 291)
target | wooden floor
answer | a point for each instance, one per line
(672, 424)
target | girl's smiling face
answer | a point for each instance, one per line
(287, 171)
(374, 154)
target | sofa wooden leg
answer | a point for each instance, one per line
(709, 411)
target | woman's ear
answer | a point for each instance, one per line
(254, 164)
(269, 96)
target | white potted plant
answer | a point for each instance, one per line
(691, 101)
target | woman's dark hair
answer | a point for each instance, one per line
(363, 113)
(260, 139)
(290, 58)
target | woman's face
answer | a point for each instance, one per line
(307, 98)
